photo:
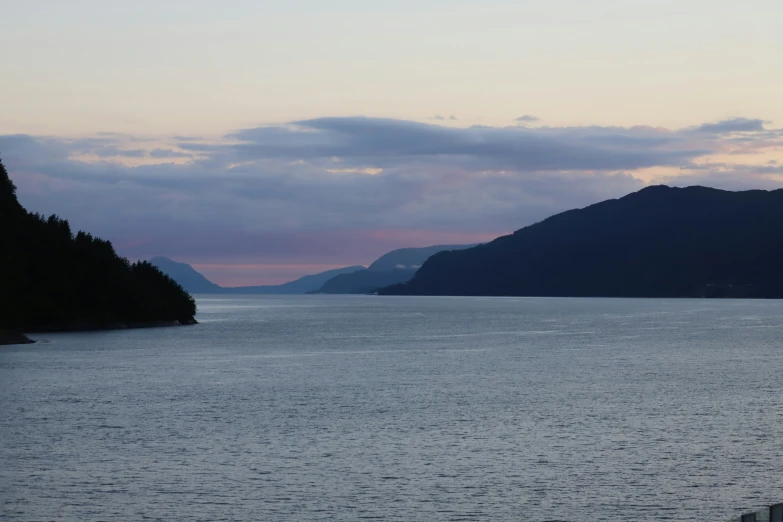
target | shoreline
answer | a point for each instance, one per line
(8, 338)
(11, 338)
(92, 327)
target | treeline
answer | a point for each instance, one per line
(53, 279)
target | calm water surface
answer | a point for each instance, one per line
(347, 408)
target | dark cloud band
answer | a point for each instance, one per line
(263, 193)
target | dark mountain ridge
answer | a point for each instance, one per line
(657, 242)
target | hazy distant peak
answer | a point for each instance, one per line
(185, 275)
(194, 282)
(410, 258)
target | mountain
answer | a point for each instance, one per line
(397, 266)
(658, 242)
(366, 281)
(194, 282)
(302, 285)
(411, 257)
(52, 279)
(185, 275)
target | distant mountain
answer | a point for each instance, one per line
(397, 266)
(658, 242)
(366, 281)
(302, 285)
(194, 282)
(185, 275)
(411, 257)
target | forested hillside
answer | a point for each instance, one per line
(53, 279)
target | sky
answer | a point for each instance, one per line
(260, 141)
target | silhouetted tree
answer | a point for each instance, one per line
(52, 279)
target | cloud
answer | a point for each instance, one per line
(732, 125)
(168, 153)
(385, 142)
(346, 190)
(527, 118)
(112, 152)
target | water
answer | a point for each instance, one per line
(346, 408)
